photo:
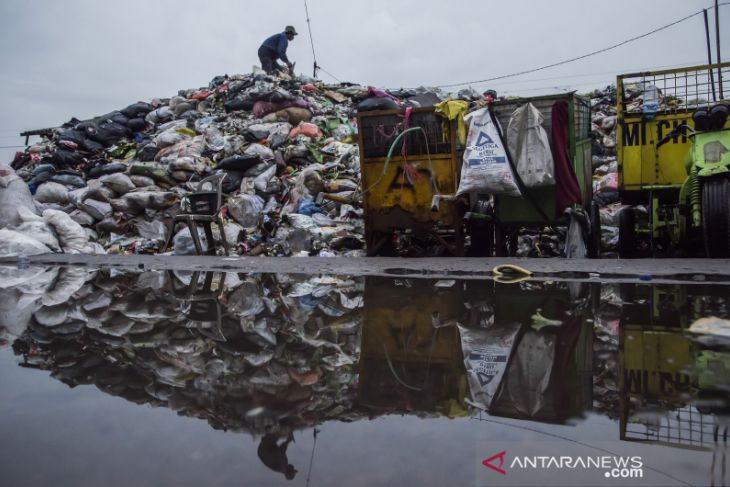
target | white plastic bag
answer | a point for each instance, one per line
(529, 146)
(485, 168)
(40, 231)
(13, 244)
(262, 151)
(575, 244)
(71, 235)
(246, 209)
(14, 194)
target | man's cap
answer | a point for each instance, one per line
(290, 30)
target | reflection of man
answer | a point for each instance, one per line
(274, 48)
(273, 455)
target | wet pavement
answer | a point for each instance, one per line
(177, 377)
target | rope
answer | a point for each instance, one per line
(328, 73)
(390, 155)
(500, 277)
(311, 458)
(311, 39)
(528, 71)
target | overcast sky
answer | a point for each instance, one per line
(82, 58)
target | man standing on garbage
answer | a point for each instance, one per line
(274, 48)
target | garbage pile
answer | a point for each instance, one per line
(285, 148)
(119, 179)
(605, 165)
(263, 354)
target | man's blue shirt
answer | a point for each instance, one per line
(278, 44)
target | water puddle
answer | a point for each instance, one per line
(190, 378)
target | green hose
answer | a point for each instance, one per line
(390, 155)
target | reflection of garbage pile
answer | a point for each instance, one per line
(266, 355)
(606, 322)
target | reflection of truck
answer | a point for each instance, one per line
(661, 369)
(412, 359)
(682, 176)
(411, 356)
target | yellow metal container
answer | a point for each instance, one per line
(399, 193)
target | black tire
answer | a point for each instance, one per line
(716, 217)
(594, 238)
(627, 233)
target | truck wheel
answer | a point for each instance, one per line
(594, 239)
(627, 233)
(716, 217)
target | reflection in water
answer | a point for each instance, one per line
(274, 354)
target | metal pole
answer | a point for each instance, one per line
(717, 42)
(709, 56)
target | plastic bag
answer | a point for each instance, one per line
(575, 244)
(137, 110)
(529, 146)
(14, 194)
(71, 235)
(70, 279)
(154, 230)
(262, 180)
(485, 168)
(294, 115)
(169, 137)
(525, 386)
(262, 151)
(306, 128)
(120, 183)
(51, 192)
(184, 163)
(238, 162)
(142, 181)
(14, 244)
(183, 242)
(246, 209)
(98, 209)
(82, 218)
(278, 135)
(486, 355)
(41, 232)
(160, 115)
(214, 139)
